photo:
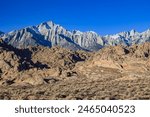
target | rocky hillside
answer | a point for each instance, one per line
(114, 72)
(133, 58)
(33, 64)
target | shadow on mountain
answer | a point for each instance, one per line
(41, 41)
(26, 60)
(72, 42)
(25, 57)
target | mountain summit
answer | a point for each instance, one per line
(51, 34)
(127, 38)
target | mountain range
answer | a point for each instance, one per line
(51, 34)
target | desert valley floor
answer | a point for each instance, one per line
(112, 73)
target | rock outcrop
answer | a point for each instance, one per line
(32, 65)
(132, 58)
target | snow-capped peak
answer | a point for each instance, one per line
(51, 34)
(147, 31)
(77, 32)
(92, 32)
(132, 32)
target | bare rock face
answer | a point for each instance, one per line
(141, 51)
(127, 38)
(50, 34)
(9, 62)
(123, 58)
(59, 57)
(34, 64)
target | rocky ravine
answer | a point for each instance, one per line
(114, 72)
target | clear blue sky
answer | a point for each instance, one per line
(101, 16)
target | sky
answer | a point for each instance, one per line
(101, 16)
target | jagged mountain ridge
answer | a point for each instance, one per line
(51, 34)
(127, 38)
